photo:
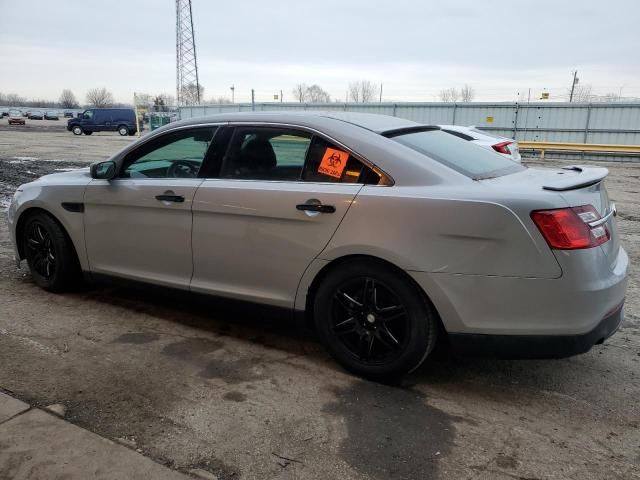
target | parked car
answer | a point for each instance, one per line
(36, 115)
(16, 118)
(385, 233)
(502, 145)
(121, 120)
(68, 114)
(51, 115)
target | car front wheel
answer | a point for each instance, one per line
(374, 321)
(77, 130)
(50, 254)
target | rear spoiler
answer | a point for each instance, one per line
(586, 177)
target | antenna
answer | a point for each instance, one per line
(187, 85)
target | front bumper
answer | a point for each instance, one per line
(535, 346)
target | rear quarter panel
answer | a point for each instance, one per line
(445, 230)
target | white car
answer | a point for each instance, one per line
(506, 147)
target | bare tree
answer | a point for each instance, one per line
(610, 97)
(448, 95)
(190, 94)
(68, 99)
(99, 97)
(15, 100)
(300, 92)
(362, 91)
(467, 93)
(315, 94)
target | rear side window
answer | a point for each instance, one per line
(327, 162)
(462, 156)
(259, 153)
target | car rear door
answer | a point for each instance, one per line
(268, 209)
(138, 225)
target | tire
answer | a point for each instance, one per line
(76, 130)
(50, 254)
(389, 335)
(123, 130)
(87, 132)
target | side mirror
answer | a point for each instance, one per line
(103, 170)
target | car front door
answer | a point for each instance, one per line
(138, 225)
(277, 198)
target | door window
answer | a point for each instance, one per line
(329, 163)
(258, 153)
(174, 155)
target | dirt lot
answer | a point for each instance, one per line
(202, 383)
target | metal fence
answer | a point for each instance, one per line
(613, 123)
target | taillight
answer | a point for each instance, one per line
(502, 147)
(568, 228)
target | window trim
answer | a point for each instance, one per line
(386, 180)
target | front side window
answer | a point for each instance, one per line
(174, 155)
(329, 163)
(261, 153)
(88, 114)
(462, 156)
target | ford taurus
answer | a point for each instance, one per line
(388, 235)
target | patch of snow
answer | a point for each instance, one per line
(26, 159)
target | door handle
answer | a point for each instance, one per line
(170, 198)
(312, 207)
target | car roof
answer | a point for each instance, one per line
(373, 122)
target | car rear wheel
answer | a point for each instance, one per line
(374, 321)
(123, 130)
(77, 130)
(50, 254)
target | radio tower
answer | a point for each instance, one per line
(187, 85)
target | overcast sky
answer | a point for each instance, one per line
(415, 48)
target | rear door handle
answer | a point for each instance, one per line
(170, 198)
(312, 207)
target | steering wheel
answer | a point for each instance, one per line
(182, 169)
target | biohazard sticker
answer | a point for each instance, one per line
(333, 162)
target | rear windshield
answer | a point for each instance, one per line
(465, 157)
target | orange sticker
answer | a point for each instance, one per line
(333, 162)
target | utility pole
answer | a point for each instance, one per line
(280, 96)
(573, 85)
(253, 99)
(233, 94)
(380, 92)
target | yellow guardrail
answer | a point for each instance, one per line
(579, 147)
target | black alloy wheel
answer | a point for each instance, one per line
(50, 253)
(374, 320)
(369, 320)
(41, 251)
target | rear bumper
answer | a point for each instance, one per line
(535, 346)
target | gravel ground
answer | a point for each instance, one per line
(200, 383)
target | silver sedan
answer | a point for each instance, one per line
(388, 235)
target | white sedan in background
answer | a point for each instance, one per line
(506, 147)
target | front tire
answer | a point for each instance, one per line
(50, 254)
(76, 130)
(374, 321)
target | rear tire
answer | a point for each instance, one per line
(123, 130)
(76, 130)
(374, 321)
(50, 254)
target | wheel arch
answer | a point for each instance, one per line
(22, 220)
(319, 276)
